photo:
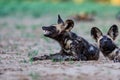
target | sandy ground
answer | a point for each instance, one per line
(18, 43)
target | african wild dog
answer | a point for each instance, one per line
(85, 16)
(106, 42)
(73, 47)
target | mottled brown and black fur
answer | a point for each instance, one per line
(106, 42)
(73, 47)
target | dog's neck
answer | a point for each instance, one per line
(65, 36)
(61, 37)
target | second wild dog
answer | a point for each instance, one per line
(106, 42)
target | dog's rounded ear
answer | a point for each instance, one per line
(60, 20)
(113, 32)
(69, 24)
(96, 33)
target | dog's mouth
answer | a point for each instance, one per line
(46, 32)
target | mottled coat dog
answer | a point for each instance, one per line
(106, 42)
(73, 47)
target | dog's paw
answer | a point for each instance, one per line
(116, 59)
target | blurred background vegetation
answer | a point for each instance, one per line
(37, 8)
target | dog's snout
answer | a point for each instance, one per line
(43, 27)
(105, 41)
